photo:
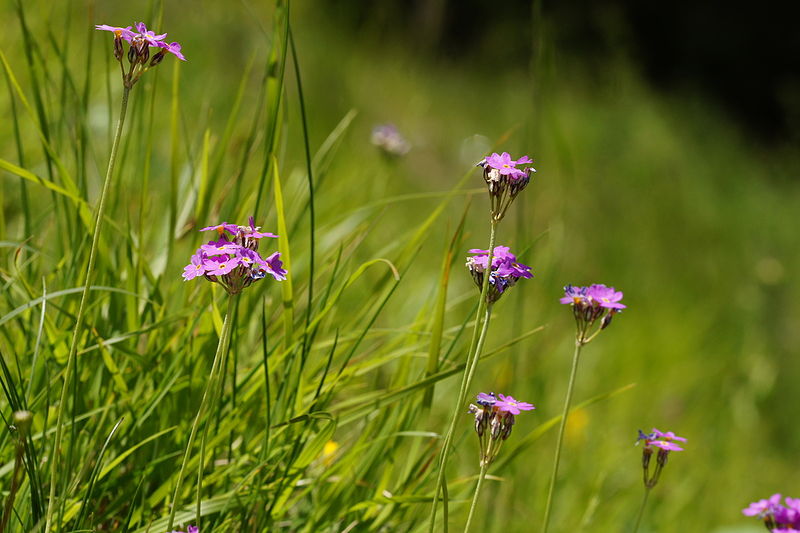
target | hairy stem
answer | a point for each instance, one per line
(478, 337)
(79, 320)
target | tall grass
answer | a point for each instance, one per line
(338, 385)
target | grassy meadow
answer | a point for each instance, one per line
(339, 382)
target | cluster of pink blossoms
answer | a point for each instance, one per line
(505, 271)
(494, 419)
(143, 38)
(505, 179)
(664, 443)
(777, 517)
(233, 260)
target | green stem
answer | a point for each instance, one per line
(73, 350)
(484, 468)
(576, 356)
(213, 377)
(15, 483)
(641, 510)
(478, 337)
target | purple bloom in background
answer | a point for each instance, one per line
(661, 440)
(510, 405)
(123, 33)
(172, 48)
(607, 297)
(389, 140)
(775, 516)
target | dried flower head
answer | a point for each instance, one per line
(505, 178)
(494, 419)
(590, 304)
(665, 443)
(139, 44)
(505, 271)
(233, 260)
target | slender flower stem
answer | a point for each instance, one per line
(484, 468)
(473, 355)
(641, 509)
(211, 386)
(16, 480)
(576, 356)
(79, 319)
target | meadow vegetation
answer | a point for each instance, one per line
(338, 386)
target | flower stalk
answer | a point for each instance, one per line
(79, 319)
(211, 387)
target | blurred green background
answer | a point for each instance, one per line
(647, 180)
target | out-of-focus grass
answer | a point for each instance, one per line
(660, 196)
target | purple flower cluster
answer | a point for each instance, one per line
(665, 443)
(233, 260)
(592, 303)
(505, 270)
(389, 140)
(505, 178)
(778, 518)
(140, 42)
(494, 419)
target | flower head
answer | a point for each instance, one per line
(504, 273)
(140, 42)
(494, 420)
(234, 263)
(592, 303)
(664, 443)
(505, 178)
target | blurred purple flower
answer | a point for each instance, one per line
(574, 295)
(661, 440)
(389, 140)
